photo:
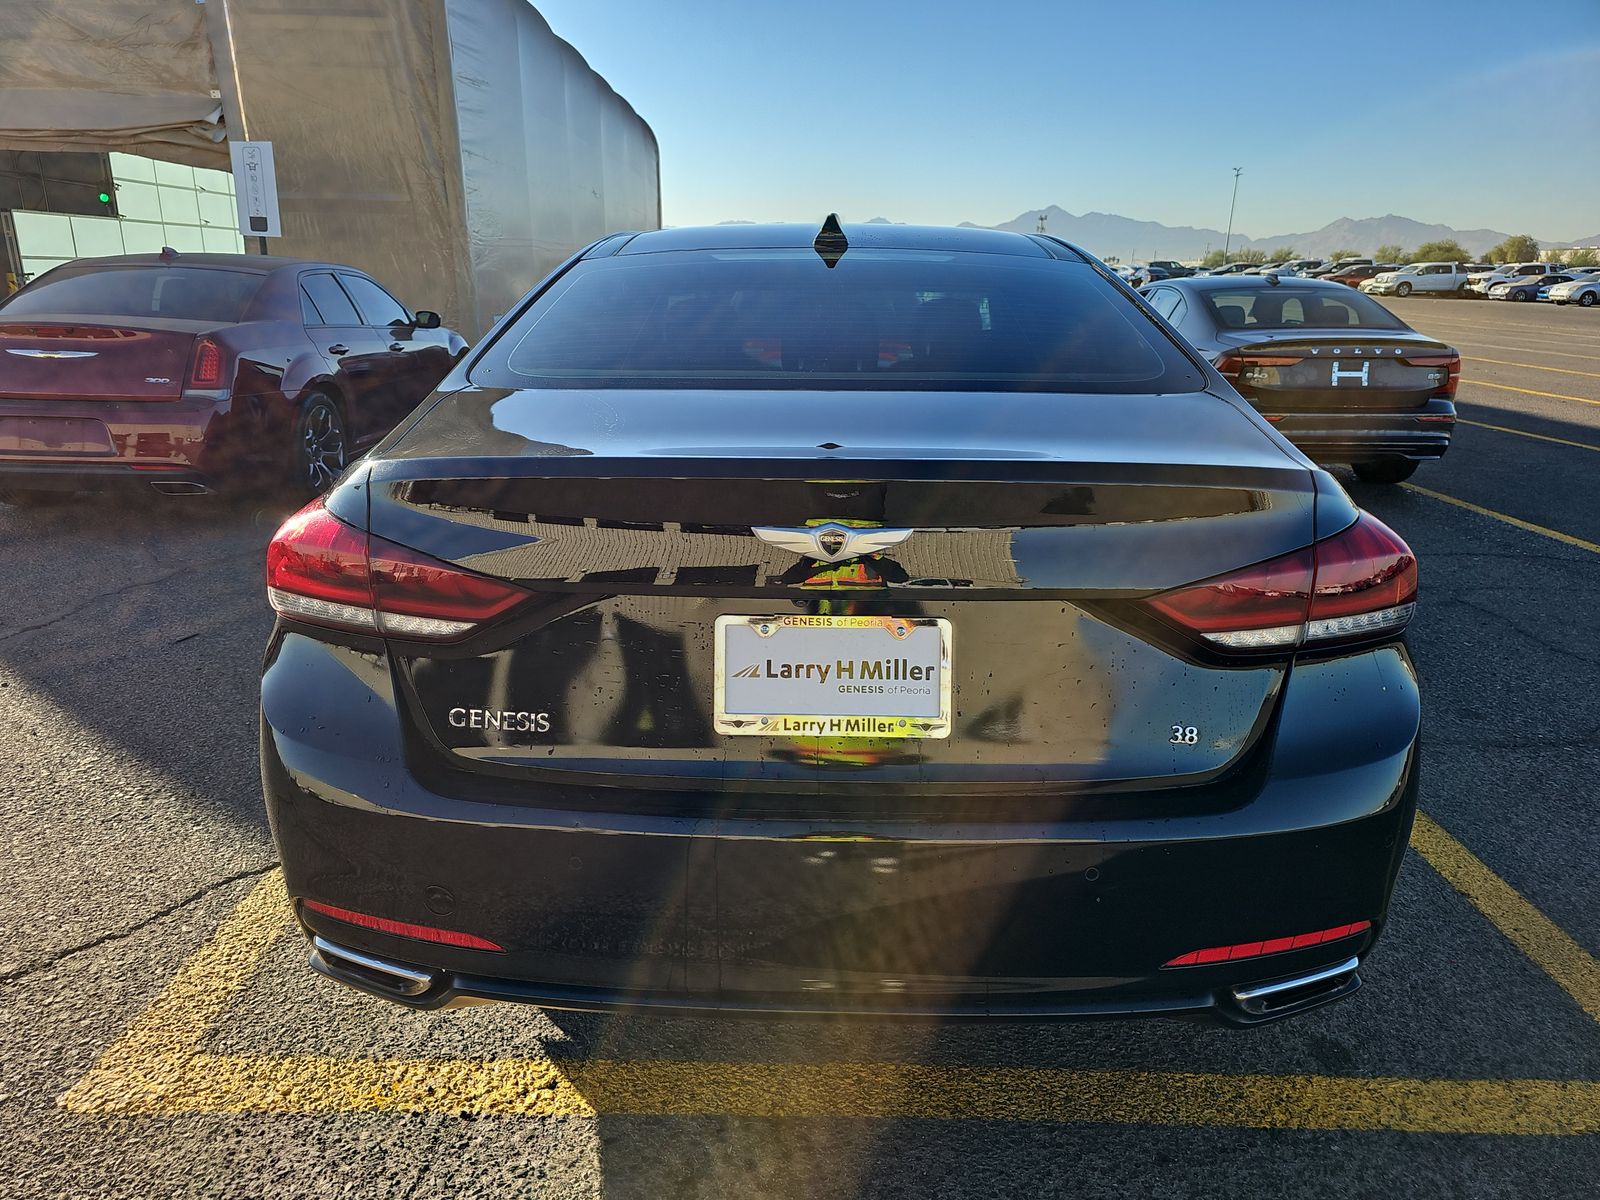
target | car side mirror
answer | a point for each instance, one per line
(426, 320)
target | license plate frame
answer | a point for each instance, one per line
(910, 642)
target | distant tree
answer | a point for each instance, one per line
(1336, 255)
(1519, 247)
(1445, 250)
(1283, 254)
(1250, 256)
(1390, 253)
(1213, 259)
(1584, 258)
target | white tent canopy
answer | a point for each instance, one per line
(132, 75)
(456, 149)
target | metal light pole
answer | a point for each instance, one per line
(1237, 171)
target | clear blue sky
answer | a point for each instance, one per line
(942, 112)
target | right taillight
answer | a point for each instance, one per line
(1451, 362)
(325, 572)
(1357, 585)
(206, 369)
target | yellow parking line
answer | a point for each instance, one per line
(1531, 366)
(1552, 950)
(1543, 437)
(1506, 387)
(1592, 547)
(884, 1090)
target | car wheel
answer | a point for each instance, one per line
(1402, 289)
(1385, 470)
(320, 445)
(1465, 291)
(1519, 295)
(1587, 299)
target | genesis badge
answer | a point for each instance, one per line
(831, 541)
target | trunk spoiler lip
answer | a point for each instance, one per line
(109, 321)
(1290, 475)
(1238, 340)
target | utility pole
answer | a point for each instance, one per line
(1237, 171)
(1041, 223)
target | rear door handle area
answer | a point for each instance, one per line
(338, 348)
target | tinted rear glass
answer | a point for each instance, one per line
(878, 319)
(188, 294)
(1289, 307)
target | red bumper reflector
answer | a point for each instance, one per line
(1301, 941)
(422, 933)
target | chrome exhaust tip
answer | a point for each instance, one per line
(1300, 991)
(180, 487)
(368, 972)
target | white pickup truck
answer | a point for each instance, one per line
(1436, 278)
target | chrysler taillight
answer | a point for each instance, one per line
(325, 572)
(205, 371)
(1359, 584)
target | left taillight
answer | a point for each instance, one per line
(326, 572)
(205, 369)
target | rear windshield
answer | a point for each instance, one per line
(1289, 307)
(187, 294)
(890, 319)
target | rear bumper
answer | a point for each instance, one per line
(1345, 437)
(1060, 911)
(427, 989)
(195, 440)
(69, 476)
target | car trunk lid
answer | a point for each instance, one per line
(641, 520)
(94, 358)
(1303, 370)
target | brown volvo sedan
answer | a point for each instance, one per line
(1340, 375)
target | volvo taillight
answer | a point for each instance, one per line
(1451, 362)
(1245, 371)
(1359, 584)
(325, 572)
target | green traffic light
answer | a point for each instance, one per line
(105, 197)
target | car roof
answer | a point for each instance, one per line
(259, 263)
(802, 234)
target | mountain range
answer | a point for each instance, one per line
(1128, 240)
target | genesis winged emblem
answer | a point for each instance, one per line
(830, 542)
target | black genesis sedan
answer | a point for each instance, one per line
(878, 620)
(1340, 375)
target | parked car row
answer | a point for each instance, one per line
(190, 372)
(1511, 281)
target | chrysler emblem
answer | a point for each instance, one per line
(55, 353)
(831, 541)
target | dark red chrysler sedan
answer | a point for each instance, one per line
(187, 372)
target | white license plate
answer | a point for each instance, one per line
(833, 677)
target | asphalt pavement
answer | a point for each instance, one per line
(163, 1036)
